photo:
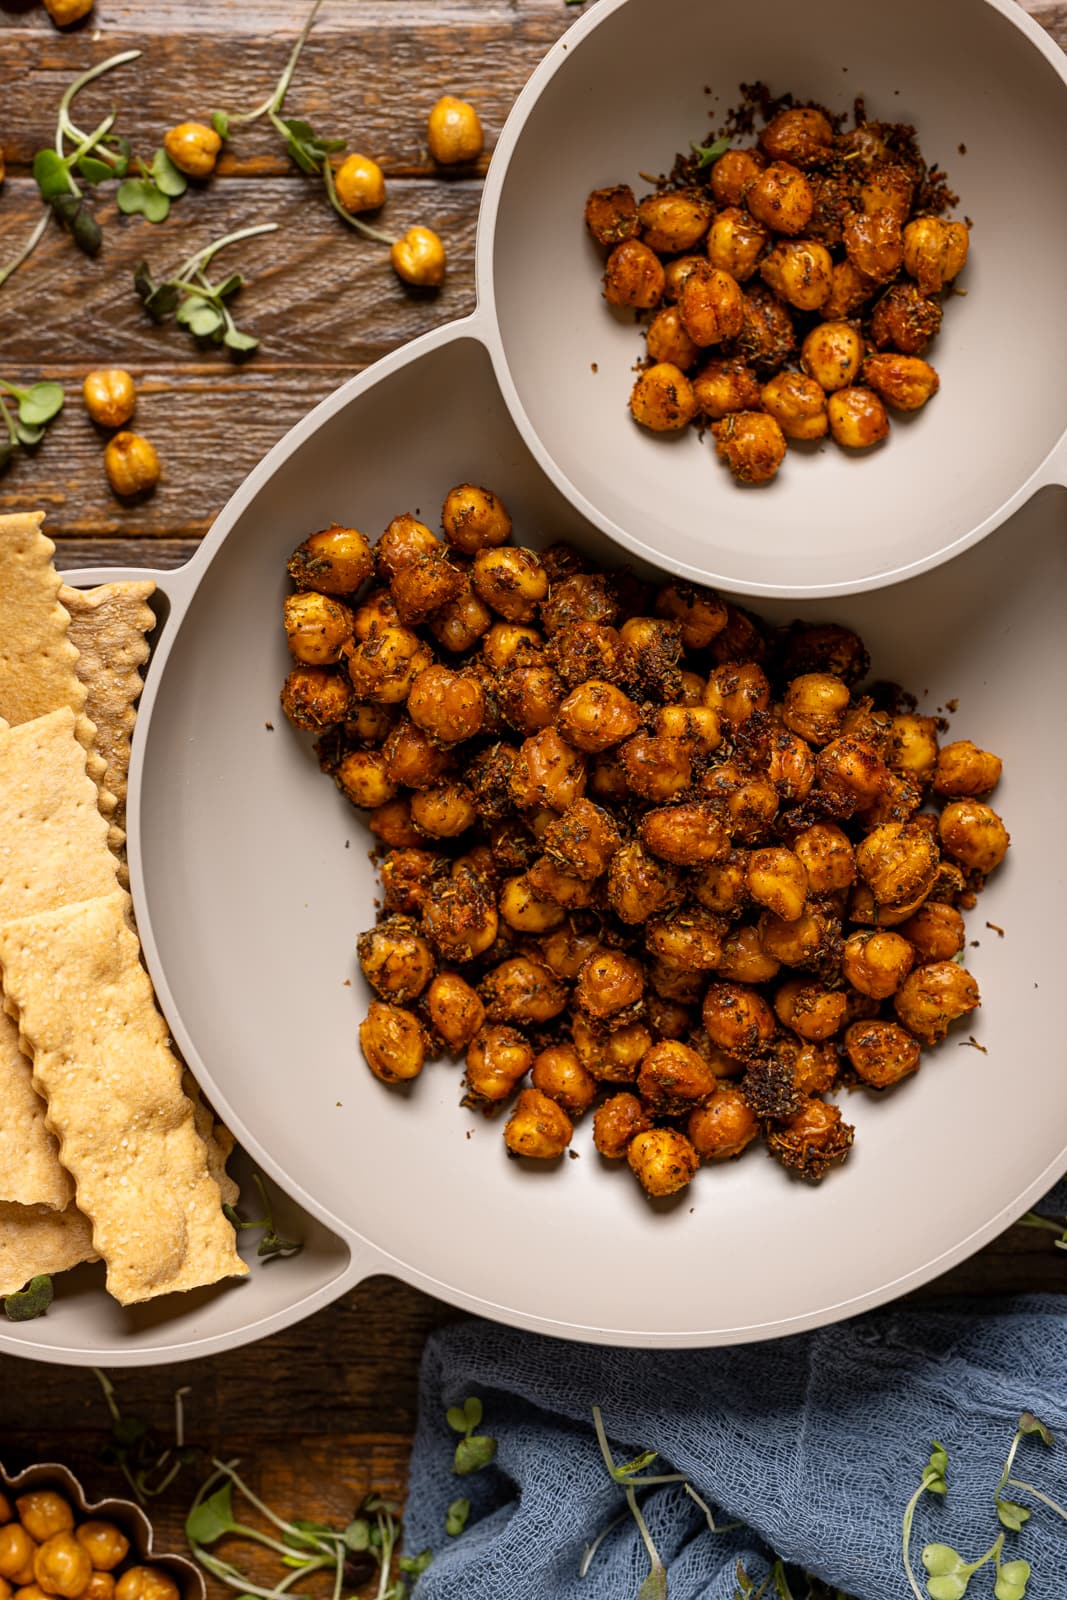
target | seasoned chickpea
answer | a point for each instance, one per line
(810, 1008)
(522, 991)
(538, 1128)
(936, 932)
(848, 291)
(974, 835)
(831, 354)
(193, 147)
(505, 642)
(814, 706)
(652, 648)
(700, 613)
(524, 911)
(801, 135)
(724, 386)
(454, 131)
(131, 464)
(581, 651)
(881, 1053)
(904, 320)
(711, 306)
(396, 960)
(657, 769)
(912, 745)
(609, 982)
(443, 810)
(767, 337)
(906, 382)
(61, 1565)
(662, 1160)
(857, 418)
(374, 613)
(781, 198)
(498, 1058)
(110, 397)
(611, 214)
(633, 276)
(559, 1074)
(697, 726)
(43, 1512)
(459, 918)
(751, 807)
(662, 398)
(966, 771)
(797, 404)
(474, 519)
(812, 1141)
(146, 1583)
(512, 582)
(412, 759)
(683, 985)
(934, 251)
(777, 880)
(616, 1122)
(735, 691)
(17, 1551)
(688, 835)
(827, 855)
(566, 949)
(898, 861)
(383, 668)
(724, 1127)
(402, 543)
(689, 940)
(800, 271)
(363, 776)
(583, 840)
(418, 257)
(675, 273)
(737, 1019)
(674, 221)
(449, 706)
(336, 561)
(317, 628)
(406, 878)
(674, 1078)
(733, 175)
(735, 243)
(752, 445)
(746, 957)
(852, 769)
(612, 1054)
(639, 885)
(425, 584)
(668, 341)
(548, 772)
(101, 1586)
(877, 963)
(799, 942)
(550, 883)
(874, 244)
(889, 187)
(313, 698)
(932, 997)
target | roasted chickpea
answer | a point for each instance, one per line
(697, 726)
(392, 824)
(724, 1127)
(898, 861)
(906, 382)
(857, 418)
(799, 942)
(934, 252)
(831, 354)
(497, 1060)
(505, 642)
(682, 985)
(675, 273)
(711, 306)
(752, 445)
(814, 706)
(193, 147)
(662, 1160)
(688, 835)
(668, 342)
(336, 561)
(418, 257)
(912, 745)
(146, 1583)
(43, 1512)
(363, 776)
(317, 628)
(559, 1074)
(17, 1551)
(459, 917)
(874, 244)
(736, 690)
(848, 291)
(523, 910)
(110, 397)
(936, 932)
(314, 698)
(965, 770)
(810, 1008)
(443, 810)
(616, 1122)
(512, 582)
(406, 877)
(412, 759)
(538, 1128)
(733, 175)
(735, 243)
(548, 772)
(828, 859)
(799, 270)
(611, 214)
(881, 1053)
(609, 982)
(639, 885)
(746, 958)
(689, 940)
(657, 769)
(131, 464)
(826, 647)
(633, 276)
(781, 198)
(583, 840)
(383, 668)
(889, 187)
(404, 541)
(674, 1078)
(449, 706)
(974, 835)
(674, 221)
(777, 880)
(395, 959)
(724, 386)
(425, 584)
(737, 1019)
(61, 1566)
(700, 613)
(767, 338)
(611, 1054)
(751, 807)
(662, 399)
(652, 648)
(454, 131)
(851, 769)
(877, 963)
(797, 404)
(904, 320)
(801, 135)
(522, 991)
(812, 1141)
(359, 184)
(932, 997)
(64, 12)
(101, 1586)
(566, 949)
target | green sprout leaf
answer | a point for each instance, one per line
(473, 1453)
(51, 174)
(94, 171)
(234, 339)
(707, 153)
(167, 176)
(199, 316)
(40, 403)
(415, 1565)
(221, 124)
(122, 153)
(1012, 1515)
(1012, 1579)
(33, 1301)
(456, 1517)
(212, 1518)
(1028, 1423)
(30, 437)
(141, 195)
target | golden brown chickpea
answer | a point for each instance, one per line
(857, 418)
(474, 519)
(131, 464)
(936, 931)
(359, 184)
(662, 398)
(689, 940)
(912, 745)
(668, 342)
(523, 992)
(422, 586)
(317, 628)
(527, 912)
(666, 1018)
(827, 855)
(498, 1058)
(449, 706)
(110, 397)
(851, 769)
(314, 698)
(676, 271)
(682, 985)
(697, 726)
(898, 861)
(583, 840)
(848, 291)
(863, 722)
(881, 1053)
(933, 997)
(733, 175)
(752, 445)
(799, 270)
(61, 1566)
(547, 772)
(459, 917)
(889, 187)
(973, 834)
(146, 1583)
(443, 810)
(530, 697)
(736, 690)
(934, 251)
(814, 706)
(711, 306)
(193, 147)
(966, 771)
(336, 561)
(652, 649)
(877, 963)
(812, 1141)
(505, 642)
(363, 776)
(904, 320)
(801, 135)
(559, 1074)
(639, 885)
(796, 943)
(700, 613)
(688, 835)
(454, 132)
(657, 769)
(565, 949)
(64, 12)
(633, 276)
(797, 404)
(874, 244)
(674, 1079)
(721, 387)
(767, 338)
(402, 543)
(395, 959)
(831, 354)
(777, 880)
(412, 760)
(418, 257)
(101, 1586)
(616, 1122)
(512, 582)
(392, 824)
(459, 625)
(43, 1512)
(538, 1128)
(736, 242)
(906, 382)
(383, 668)
(746, 958)
(724, 1127)
(376, 612)
(611, 1054)
(609, 982)
(810, 1008)
(751, 807)
(674, 221)
(17, 1551)
(406, 878)
(662, 1160)
(737, 1019)
(611, 214)
(781, 198)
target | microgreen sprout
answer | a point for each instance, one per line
(474, 1450)
(37, 407)
(934, 1482)
(200, 306)
(1028, 1424)
(1033, 1220)
(152, 191)
(272, 1242)
(456, 1517)
(36, 1297)
(707, 153)
(94, 156)
(148, 1466)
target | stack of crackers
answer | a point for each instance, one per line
(106, 1150)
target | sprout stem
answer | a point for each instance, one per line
(27, 250)
(346, 216)
(79, 84)
(203, 257)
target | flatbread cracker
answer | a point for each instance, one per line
(127, 1133)
(218, 1141)
(35, 1240)
(30, 1170)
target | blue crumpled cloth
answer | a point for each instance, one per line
(814, 1443)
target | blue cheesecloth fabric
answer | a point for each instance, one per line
(814, 1443)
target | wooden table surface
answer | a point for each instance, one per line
(325, 1410)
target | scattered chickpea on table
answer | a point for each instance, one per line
(45, 1551)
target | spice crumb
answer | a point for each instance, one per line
(995, 929)
(952, 705)
(347, 983)
(593, 367)
(573, 1155)
(269, 727)
(962, 148)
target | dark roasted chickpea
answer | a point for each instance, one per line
(973, 834)
(767, 338)
(109, 396)
(936, 932)
(639, 885)
(530, 697)
(801, 135)
(934, 251)
(736, 690)
(523, 992)
(932, 997)
(406, 877)
(652, 650)
(447, 705)
(609, 982)
(963, 770)
(874, 244)
(668, 343)
(737, 1019)
(662, 398)
(735, 243)
(360, 184)
(724, 1127)
(725, 386)
(797, 404)
(565, 949)
(404, 541)
(877, 963)
(512, 582)
(898, 862)
(724, 886)
(667, 1019)
(849, 290)
(746, 957)
(107, 1545)
(548, 772)
(810, 1008)
(812, 1141)
(904, 320)
(498, 1058)
(752, 445)
(675, 273)
(793, 943)
(313, 698)
(662, 1160)
(781, 198)
(790, 764)
(611, 214)
(881, 1053)
(633, 276)
(423, 585)
(43, 1512)
(851, 769)
(827, 855)
(700, 613)
(689, 835)
(683, 985)
(734, 173)
(777, 880)
(831, 354)
(616, 1122)
(751, 807)
(888, 187)
(583, 840)
(674, 1078)
(689, 940)
(317, 628)
(674, 221)
(656, 768)
(583, 597)
(711, 306)
(383, 668)
(395, 959)
(474, 519)
(443, 810)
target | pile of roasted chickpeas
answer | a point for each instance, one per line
(45, 1551)
(792, 287)
(643, 855)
